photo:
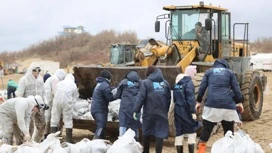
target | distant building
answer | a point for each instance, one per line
(72, 30)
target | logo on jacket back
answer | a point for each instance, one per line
(132, 84)
(179, 88)
(158, 86)
(219, 71)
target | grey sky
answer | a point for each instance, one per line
(26, 22)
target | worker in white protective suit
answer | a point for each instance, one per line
(50, 86)
(32, 84)
(64, 98)
(15, 117)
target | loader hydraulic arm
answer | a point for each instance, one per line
(149, 55)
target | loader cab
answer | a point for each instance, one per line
(122, 54)
(215, 23)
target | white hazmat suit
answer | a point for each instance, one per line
(15, 117)
(63, 101)
(31, 85)
(50, 89)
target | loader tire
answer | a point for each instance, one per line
(252, 90)
(172, 130)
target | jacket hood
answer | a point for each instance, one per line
(221, 63)
(180, 76)
(33, 101)
(70, 77)
(32, 66)
(184, 80)
(156, 76)
(101, 79)
(133, 76)
(60, 73)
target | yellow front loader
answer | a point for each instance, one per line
(183, 47)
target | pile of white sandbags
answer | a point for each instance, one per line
(240, 142)
(50, 145)
(87, 146)
(82, 109)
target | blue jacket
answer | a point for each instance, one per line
(127, 91)
(102, 95)
(220, 81)
(184, 94)
(184, 99)
(154, 95)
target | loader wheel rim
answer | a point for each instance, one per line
(257, 97)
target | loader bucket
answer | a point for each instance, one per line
(85, 76)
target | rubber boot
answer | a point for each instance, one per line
(179, 149)
(99, 133)
(159, 145)
(146, 143)
(69, 135)
(201, 147)
(54, 129)
(191, 148)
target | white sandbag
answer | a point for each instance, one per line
(237, 143)
(27, 149)
(5, 148)
(243, 143)
(75, 148)
(81, 104)
(82, 111)
(51, 141)
(96, 146)
(49, 144)
(126, 144)
(57, 149)
(114, 107)
(87, 146)
(88, 116)
(224, 145)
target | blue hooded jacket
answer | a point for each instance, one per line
(102, 95)
(127, 91)
(184, 94)
(220, 82)
(154, 95)
(184, 99)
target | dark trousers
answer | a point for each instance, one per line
(208, 127)
(11, 90)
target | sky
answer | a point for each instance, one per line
(27, 22)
